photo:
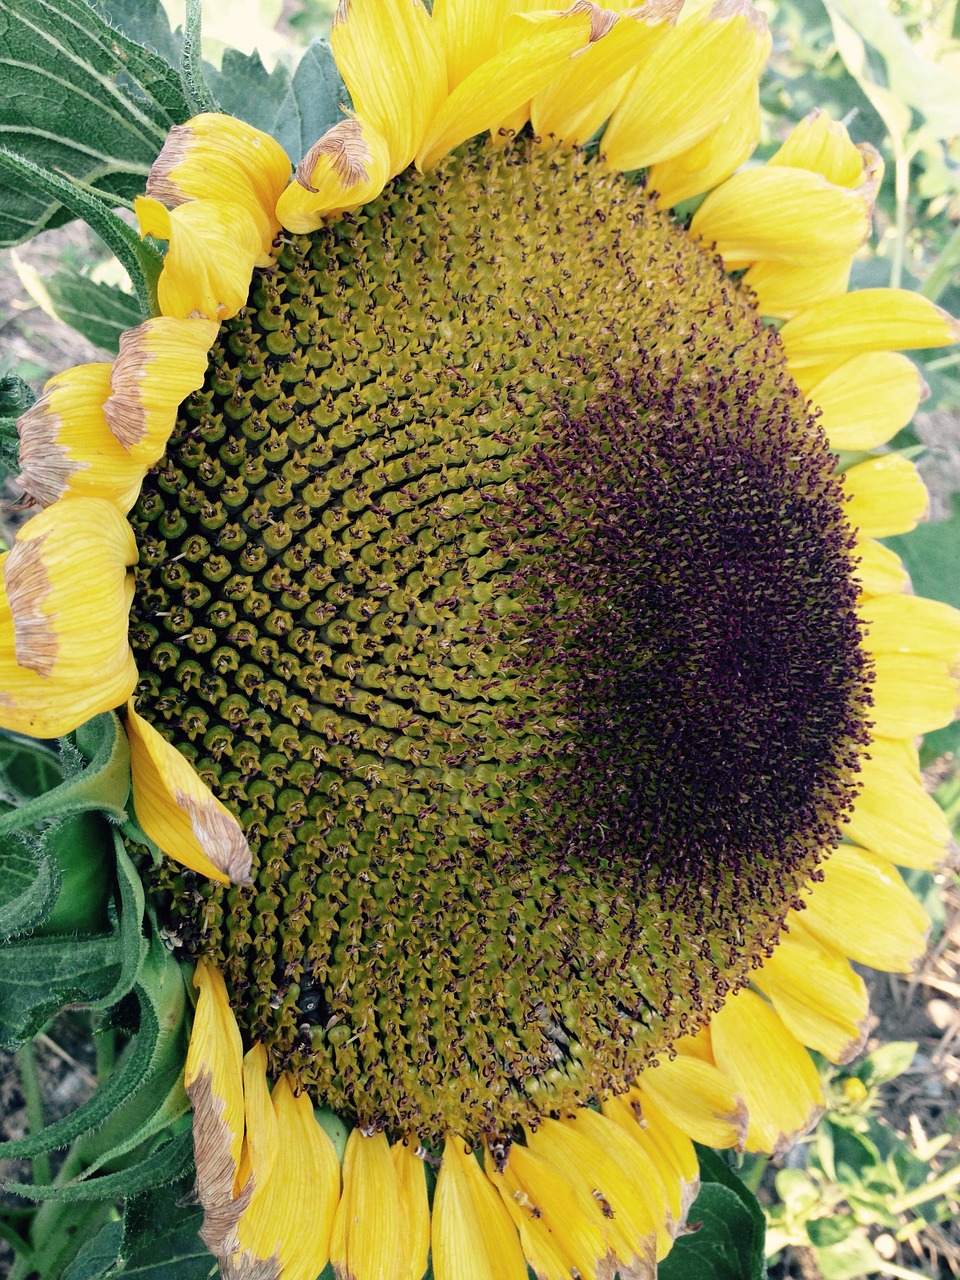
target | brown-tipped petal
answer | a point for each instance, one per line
(213, 1080)
(770, 1070)
(698, 1098)
(346, 167)
(217, 157)
(179, 812)
(160, 362)
(59, 663)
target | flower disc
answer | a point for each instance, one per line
(497, 581)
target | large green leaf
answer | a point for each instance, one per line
(101, 312)
(726, 1242)
(40, 975)
(312, 103)
(166, 1162)
(29, 884)
(80, 99)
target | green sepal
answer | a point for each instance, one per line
(157, 1045)
(192, 79)
(141, 260)
(102, 784)
(727, 1236)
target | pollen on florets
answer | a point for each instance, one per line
(496, 580)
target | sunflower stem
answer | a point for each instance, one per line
(946, 266)
(902, 189)
(30, 1083)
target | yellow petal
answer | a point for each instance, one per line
(769, 1068)
(711, 160)
(781, 215)
(573, 105)
(915, 647)
(816, 994)
(669, 1150)
(784, 288)
(473, 1237)
(879, 570)
(893, 816)
(886, 496)
(533, 53)
(60, 663)
(179, 812)
(159, 363)
(66, 446)
(688, 87)
(698, 1098)
(866, 320)
(863, 909)
(822, 145)
(414, 1211)
(217, 157)
(606, 1189)
(290, 1218)
(558, 1240)
(470, 32)
(867, 399)
(213, 246)
(346, 168)
(390, 56)
(367, 1229)
(213, 1079)
(911, 624)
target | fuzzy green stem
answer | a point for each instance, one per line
(30, 1083)
(902, 189)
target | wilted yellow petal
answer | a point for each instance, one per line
(213, 246)
(391, 59)
(159, 363)
(60, 663)
(213, 1079)
(886, 496)
(66, 446)
(769, 1068)
(217, 157)
(179, 812)
(863, 909)
(346, 168)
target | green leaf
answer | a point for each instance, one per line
(728, 1243)
(40, 975)
(248, 91)
(888, 1061)
(195, 88)
(79, 98)
(27, 767)
(144, 21)
(16, 397)
(312, 103)
(99, 1256)
(851, 1259)
(102, 785)
(141, 261)
(29, 885)
(101, 312)
(160, 1237)
(157, 1044)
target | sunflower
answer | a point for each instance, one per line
(482, 544)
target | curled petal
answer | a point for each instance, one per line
(345, 168)
(60, 664)
(216, 157)
(179, 812)
(213, 246)
(823, 146)
(160, 362)
(66, 446)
